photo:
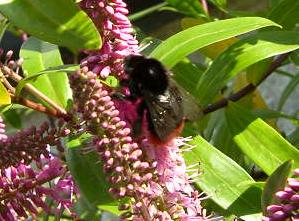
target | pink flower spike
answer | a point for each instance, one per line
(105, 72)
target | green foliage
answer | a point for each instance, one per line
(285, 13)
(4, 95)
(259, 141)
(274, 183)
(38, 56)
(224, 180)
(242, 155)
(175, 48)
(241, 55)
(189, 7)
(57, 21)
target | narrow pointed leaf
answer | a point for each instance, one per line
(60, 22)
(241, 55)
(285, 13)
(38, 56)
(221, 179)
(274, 183)
(70, 68)
(189, 7)
(3, 25)
(187, 74)
(259, 141)
(291, 86)
(175, 48)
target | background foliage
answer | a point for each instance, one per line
(220, 54)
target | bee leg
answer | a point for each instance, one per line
(118, 96)
(137, 126)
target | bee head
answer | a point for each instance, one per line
(146, 74)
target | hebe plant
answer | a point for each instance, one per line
(66, 142)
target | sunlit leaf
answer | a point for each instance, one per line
(60, 22)
(224, 180)
(38, 56)
(241, 55)
(213, 50)
(4, 95)
(260, 142)
(69, 68)
(175, 48)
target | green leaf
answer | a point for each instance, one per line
(3, 26)
(187, 74)
(241, 55)
(13, 117)
(60, 22)
(191, 8)
(294, 137)
(140, 14)
(273, 3)
(285, 13)
(255, 72)
(88, 173)
(4, 95)
(294, 56)
(260, 142)
(175, 48)
(291, 86)
(220, 137)
(112, 81)
(221, 179)
(275, 182)
(38, 56)
(272, 114)
(68, 68)
(219, 3)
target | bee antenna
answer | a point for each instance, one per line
(142, 47)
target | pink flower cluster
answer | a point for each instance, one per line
(153, 177)
(3, 136)
(180, 198)
(128, 173)
(110, 16)
(29, 144)
(287, 207)
(22, 190)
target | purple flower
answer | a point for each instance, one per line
(23, 190)
(153, 177)
(29, 144)
(3, 136)
(288, 198)
(110, 16)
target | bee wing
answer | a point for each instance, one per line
(191, 109)
(166, 112)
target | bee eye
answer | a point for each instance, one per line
(151, 72)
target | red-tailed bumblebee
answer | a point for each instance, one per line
(167, 105)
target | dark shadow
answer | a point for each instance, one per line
(252, 198)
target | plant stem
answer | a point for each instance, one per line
(146, 12)
(247, 89)
(34, 91)
(40, 108)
